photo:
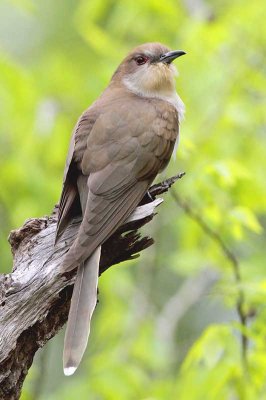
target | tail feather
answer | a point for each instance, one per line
(83, 302)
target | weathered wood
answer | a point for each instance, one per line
(35, 297)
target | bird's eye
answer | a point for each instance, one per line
(140, 60)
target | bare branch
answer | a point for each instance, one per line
(35, 297)
(243, 316)
(185, 297)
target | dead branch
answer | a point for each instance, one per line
(35, 297)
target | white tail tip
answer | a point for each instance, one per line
(69, 371)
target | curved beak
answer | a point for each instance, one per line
(171, 56)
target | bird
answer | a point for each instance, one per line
(118, 146)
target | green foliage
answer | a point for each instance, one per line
(56, 57)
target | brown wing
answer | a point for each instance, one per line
(69, 204)
(125, 150)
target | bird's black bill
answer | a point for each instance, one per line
(171, 56)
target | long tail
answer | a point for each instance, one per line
(83, 302)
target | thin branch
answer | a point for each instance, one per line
(182, 300)
(214, 235)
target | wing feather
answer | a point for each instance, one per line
(97, 226)
(65, 211)
(69, 204)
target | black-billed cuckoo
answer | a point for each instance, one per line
(119, 145)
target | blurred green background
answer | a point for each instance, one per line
(166, 326)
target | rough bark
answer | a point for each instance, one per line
(35, 297)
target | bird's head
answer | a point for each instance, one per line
(148, 70)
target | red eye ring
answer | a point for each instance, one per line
(140, 60)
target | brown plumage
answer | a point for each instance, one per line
(118, 147)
